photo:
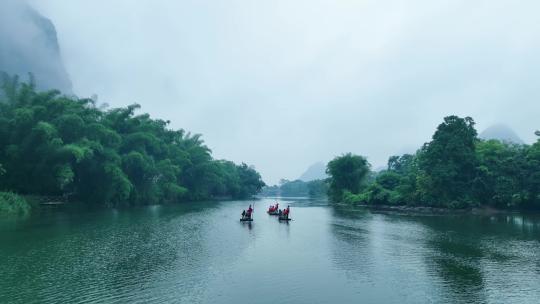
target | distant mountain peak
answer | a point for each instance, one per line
(315, 171)
(501, 132)
(29, 44)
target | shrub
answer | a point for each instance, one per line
(13, 204)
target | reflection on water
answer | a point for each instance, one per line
(448, 258)
(201, 253)
(486, 258)
(352, 243)
(455, 259)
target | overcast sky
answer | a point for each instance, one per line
(283, 84)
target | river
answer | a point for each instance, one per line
(201, 253)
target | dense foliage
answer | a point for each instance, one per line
(65, 146)
(454, 170)
(13, 204)
(297, 188)
(348, 174)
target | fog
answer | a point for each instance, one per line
(28, 44)
(283, 84)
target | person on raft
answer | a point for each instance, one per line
(273, 208)
(249, 212)
(286, 212)
(243, 214)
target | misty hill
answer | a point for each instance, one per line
(28, 43)
(315, 171)
(501, 132)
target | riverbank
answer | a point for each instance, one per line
(425, 210)
(14, 205)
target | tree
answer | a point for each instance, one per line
(317, 188)
(531, 178)
(347, 173)
(448, 163)
(401, 164)
(250, 181)
(499, 177)
(296, 188)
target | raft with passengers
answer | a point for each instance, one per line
(283, 215)
(273, 209)
(247, 216)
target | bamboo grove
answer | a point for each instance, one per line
(57, 145)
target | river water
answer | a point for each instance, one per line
(201, 253)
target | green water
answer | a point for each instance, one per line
(202, 254)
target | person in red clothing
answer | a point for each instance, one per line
(273, 208)
(286, 212)
(249, 211)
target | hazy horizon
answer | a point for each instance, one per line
(281, 85)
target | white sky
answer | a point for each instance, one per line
(283, 84)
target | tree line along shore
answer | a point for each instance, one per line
(76, 150)
(53, 145)
(454, 170)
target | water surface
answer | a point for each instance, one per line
(201, 253)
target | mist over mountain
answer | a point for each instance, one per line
(29, 44)
(501, 132)
(315, 171)
(348, 72)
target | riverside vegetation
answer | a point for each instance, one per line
(68, 147)
(297, 188)
(455, 169)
